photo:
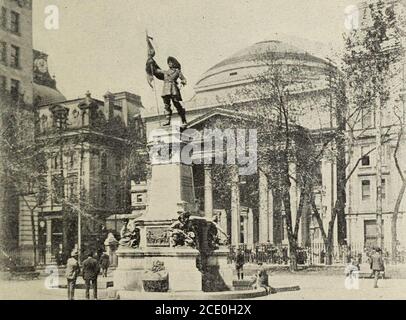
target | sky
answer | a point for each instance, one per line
(100, 44)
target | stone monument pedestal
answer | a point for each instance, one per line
(180, 263)
(171, 190)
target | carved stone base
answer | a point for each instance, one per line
(180, 263)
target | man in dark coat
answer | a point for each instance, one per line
(239, 264)
(377, 265)
(171, 91)
(91, 270)
(104, 263)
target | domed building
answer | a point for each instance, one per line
(44, 86)
(221, 85)
(224, 78)
(221, 98)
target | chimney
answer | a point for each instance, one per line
(109, 104)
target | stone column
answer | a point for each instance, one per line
(245, 224)
(250, 228)
(208, 192)
(293, 196)
(235, 207)
(263, 207)
(270, 216)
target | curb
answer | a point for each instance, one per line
(190, 295)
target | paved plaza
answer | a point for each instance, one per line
(312, 287)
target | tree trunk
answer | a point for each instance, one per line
(399, 198)
(34, 238)
(379, 231)
(329, 245)
(395, 220)
(293, 255)
(290, 231)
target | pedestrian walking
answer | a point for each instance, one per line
(377, 265)
(91, 270)
(104, 263)
(239, 264)
(72, 271)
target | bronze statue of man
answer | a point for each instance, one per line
(170, 77)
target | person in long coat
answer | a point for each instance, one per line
(377, 265)
(72, 271)
(171, 91)
(239, 264)
(91, 269)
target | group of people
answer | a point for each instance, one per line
(263, 253)
(90, 270)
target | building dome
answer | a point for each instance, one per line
(227, 75)
(47, 95)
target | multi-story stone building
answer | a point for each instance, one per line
(86, 177)
(16, 64)
(362, 186)
(16, 54)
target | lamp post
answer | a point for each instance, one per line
(60, 115)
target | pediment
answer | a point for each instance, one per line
(221, 118)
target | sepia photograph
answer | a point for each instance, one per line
(229, 150)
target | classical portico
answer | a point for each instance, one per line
(247, 225)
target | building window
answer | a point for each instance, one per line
(55, 161)
(15, 88)
(15, 57)
(72, 160)
(366, 189)
(3, 52)
(3, 83)
(365, 160)
(104, 161)
(103, 193)
(3, 18)
(57, 188)
(72, 189)
(139, 198)
(367, 119)
(15, 22)
(370, 233)
(383, 189)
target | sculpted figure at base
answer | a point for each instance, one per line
(130, 235)
(216, 236)
(182, 231)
